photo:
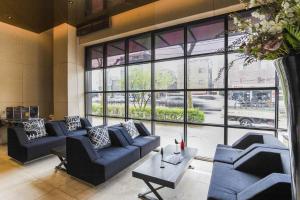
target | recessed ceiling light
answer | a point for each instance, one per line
(9, 17)
(70, 2)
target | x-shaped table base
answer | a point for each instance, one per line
(152, 190)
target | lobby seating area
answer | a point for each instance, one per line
(149, 100)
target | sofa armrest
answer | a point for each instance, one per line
(274, 186)
(262, 161)
(17, 135)
(247, 140)
(142, 129)
(79, 147)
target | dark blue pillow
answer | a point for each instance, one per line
(117, 137)
(142, 129)
(125, 134)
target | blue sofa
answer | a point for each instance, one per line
(250, 141)
(96, 166)
(24, 150)
(251, 177)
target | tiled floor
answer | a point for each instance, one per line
(38, 180)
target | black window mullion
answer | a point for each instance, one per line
(276, 105)
(153, 106)
(126, 79)
(226, 80)
(104, 83)
(185, 119)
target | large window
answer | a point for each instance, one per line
(184, 82)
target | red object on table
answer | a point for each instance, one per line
(182, 145)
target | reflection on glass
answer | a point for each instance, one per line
(169, 106)
(139, 77)
(282, 115)
(95, 121)
(258, 74)
(94, 80)
(251, 108)
(140, 105)
(205, 139)
(116, 53)
(95, 57)
(234, 134)
(140, 49)
(205, 107)
(115, 79)
(169, 75)
(115, 104)
(169, 44)
(205, 72)
(206, 37)
(94, 104)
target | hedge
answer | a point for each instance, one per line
(162, 113)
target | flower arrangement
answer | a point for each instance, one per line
(273, 30)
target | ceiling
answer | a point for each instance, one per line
(41, 15)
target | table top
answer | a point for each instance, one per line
(170, 175)
(59, 151)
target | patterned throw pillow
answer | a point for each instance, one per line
(35, 128)
(99, 137)
(73, 123)
(131, 129)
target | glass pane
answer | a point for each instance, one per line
(206, 37)
(140, 49)
(94, 104)
(140, 105)
(94, 80)
(205, 72)
(169, 106)
(114, 121)
(206, 107)
(168, 132)
(258, 74)
(116, 53)
(95, 121)
(169, 44)
(234, 134)
(169, 75)
(95, 57)
(116, 104)
(139, 77)
(251, 108)
(115, 79)
(205, 139)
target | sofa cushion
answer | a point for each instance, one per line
(124, 132)
(35, 128)
(99, 137)
(146, 144)
(226, 154)
(72, 122)
(116, 136)
(227, 187)
(115, 159)
(131, 129)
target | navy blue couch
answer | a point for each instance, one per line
(261, 171)
(24, 150)
(250, 141)
(96, 166)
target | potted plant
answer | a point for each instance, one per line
(273, 33)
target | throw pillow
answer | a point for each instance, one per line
(73, 123)
(35, 128)
(99, 137)
(131, 129)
